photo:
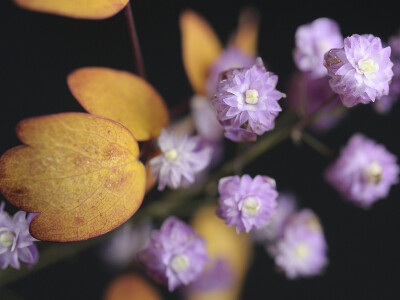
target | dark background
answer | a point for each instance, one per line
(38, 51)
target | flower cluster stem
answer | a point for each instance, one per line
(137, 54)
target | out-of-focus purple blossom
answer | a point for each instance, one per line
(364, 171)
(182, 157)
(216, 275)
(306, 94)
(286, 206)
(384, 105)
(231, 58)
(16, 243)
(122, 248)
(394, 43)
(360, 71)
(313, 40)
(245, 202)
(205, 119)
(302, 249)
(176, 255)
(247, 102)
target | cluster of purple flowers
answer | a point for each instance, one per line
(181, 159)
(364, 172)
(246, 102)
(176, 255)
(295, 240)
(16, 243)
(385, 104)
(247, 203)
(361, 71)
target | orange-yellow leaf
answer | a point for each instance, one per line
(80, 172)
(246, 37)
(222, 242)
(200, 48)
(81, 9)
(131, 287)
(120, 96)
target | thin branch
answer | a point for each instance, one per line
(137, 54)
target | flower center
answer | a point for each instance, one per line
(171, 154)
(367, 66)
(251, 96)
(301, 251)
(251, 206)
(6, 239)
(373, 173)
(180, 263)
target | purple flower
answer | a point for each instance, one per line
(247, 102)
(216, 275)
(175, 255)
(231, 58)
(307, 93)
(182, 157)
(384, 105)
(364, 171)
(123, 246)
(313, 40)
(360, 71)
(301, 251)
(394, 43)
(16, 243)
(247, 203)
(205, 119)
(274, 229)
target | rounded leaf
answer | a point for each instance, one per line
(200, 49)
(80, 172)
(246, 36)
(81, 9)
(131, 287)
(120, 96)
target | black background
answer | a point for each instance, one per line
(38, 51)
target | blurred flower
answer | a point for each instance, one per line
(246, 203)
(313, 40)
(181, 158)
(384, 105)
(230, 58)
(286, 206)
(301, 251)
(126, 242)
(247, 102)
(361, 71)
(364, 171)
(16, 243)
(205, 119)
(305, 96)
(175, 255)
(217, 275)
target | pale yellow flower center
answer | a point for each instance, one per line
(7, 239)
(251, 96)
(301, 250)
(251, 206)
(368, 66)
(171, 154)
(180, 263)
(373, 173)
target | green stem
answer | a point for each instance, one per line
(317, 145)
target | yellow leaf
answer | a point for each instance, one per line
(120, 96)
(246, 36)
(81, 9)
(222, 242)
(200, 49)
(80, 172)
(131, 287)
